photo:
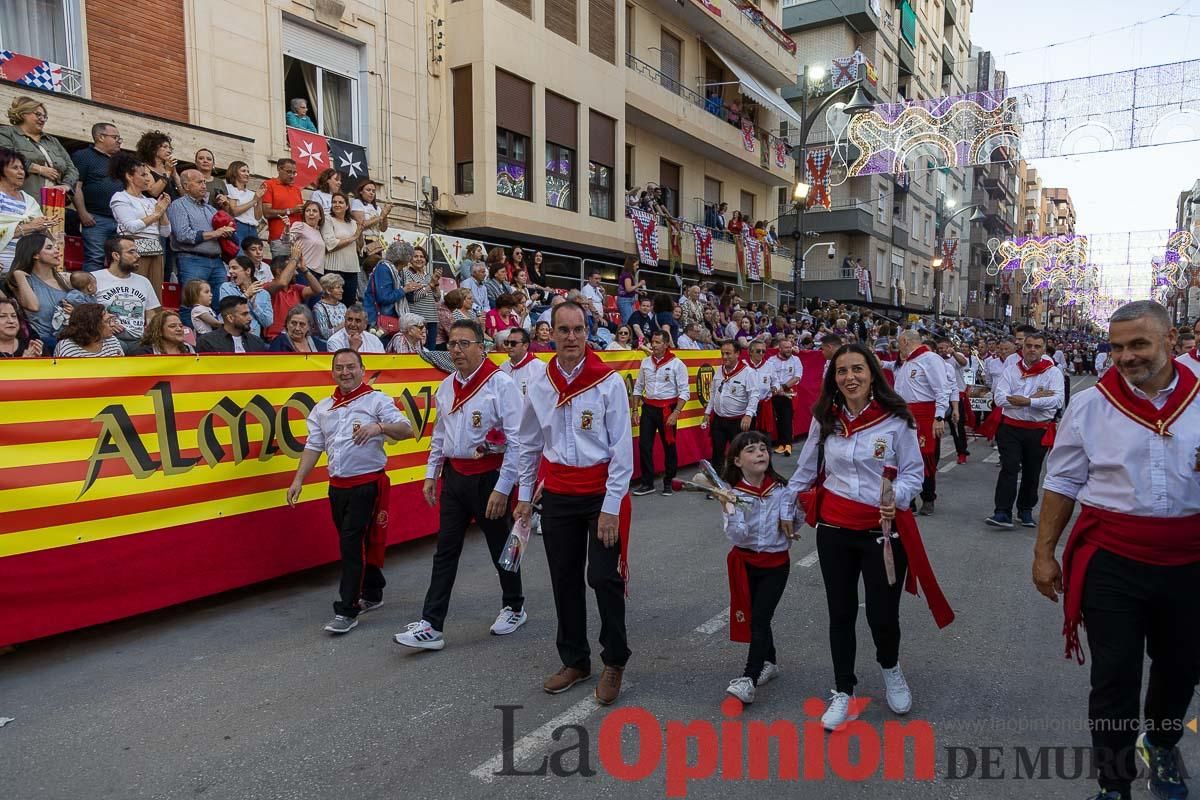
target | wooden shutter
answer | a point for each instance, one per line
(602, 144)
(668, 179)
(562, 18)
(562, 124)
(670, 58)
(523, 7)
(514, 103)
(712, 191)
(463, 122)
(602, 29)
(747, 207)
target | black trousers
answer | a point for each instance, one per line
(783, 419)
(929, 483)
(766, 589)
(569, 526)
(722, 430)
(463, 499)
(1131, 608)
(1021, 451)
(352, 509)
(654, 422)
(845, 555)
(959, 430)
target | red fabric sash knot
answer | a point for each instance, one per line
(666, 358)
(528, 357)
(590, 375)
(376, 541)
(1116, 390)
(340, 399)
(871, 416)
(923, 414)
(465, 391)
(726, 374)
(970, 420)
(666, 404)
(834, 509)
(916, 353)
(757, 491)
(477, 466)
(739, 585)
(587, 482)
(1161, 541)
(1036, 369)
(991, 423)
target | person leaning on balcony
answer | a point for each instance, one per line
(297, 115)
(47, 161)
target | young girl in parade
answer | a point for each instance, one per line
(864, 462)
(759, 525)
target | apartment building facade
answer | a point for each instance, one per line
(907, 51)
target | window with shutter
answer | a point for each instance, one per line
(562, 136)
(464, 131)
(561, 18)
(602, 29)
(668, 181)
(670, 59)
(747, 206)
(523, 7)
(602, 148)
(514, 127)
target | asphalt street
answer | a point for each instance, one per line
(243, 695)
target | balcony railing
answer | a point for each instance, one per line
(753, 13)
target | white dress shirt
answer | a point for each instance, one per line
(595, 299)
(331, 430)
(1104, 459)
(524, 376)
(784, 371)
(686, 342)
(1040, 409)
(922, 380)
(764, 375)
(665, 382)
(341, 340)
(591, 428)
(1190, 361)
(992, 367)
(953, 378)
(854, 465)
(456, 434)
(736, 395)
(756, 526)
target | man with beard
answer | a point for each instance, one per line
(234, 335)
(1128, 450)
(1029, 395)
(126, 295)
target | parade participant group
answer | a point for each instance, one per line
(556, 438)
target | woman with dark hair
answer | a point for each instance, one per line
(20, 213)
(628, 287)
(245, 205)
(863, 441)
(367, 211)
(206, 164)
(329, 183)
(16, 337)
(242, 283)
(536, 272)
(140, 216)
(88, 334)
(497, 281)
(164, 336)
(342, 233)
(422, 288)
(155, 151)
(502, 316)
(36, 282)
(541, 339)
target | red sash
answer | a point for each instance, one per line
(376, 541)
(669, 403)
(970, 420)
(739, 586)
(340, 399)
(528, 357)
(1036, 369)
(1161, 541)
(588, 482)
(659, 362)
(923, 413)
(991, 423)
(834, 509)
(477, 466)
(871, 415)
(590, 375)
(916, 353)
(1116, 390)
(465, 391)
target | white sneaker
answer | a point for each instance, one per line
(420, 635)
(742, 689)
(899, 698)
(769, 673)
(508, 621)
(838, 713)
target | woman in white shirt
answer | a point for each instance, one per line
(139, 215)
(371, 215)
(341, 233)
(245, 205)
(623, 339)
(329, 183)
(19, 212)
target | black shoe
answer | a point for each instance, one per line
(667, 491)
(643, 490)
(927, 509)
(1111, 795)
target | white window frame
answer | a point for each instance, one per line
(357, 85)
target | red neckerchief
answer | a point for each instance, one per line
(1036, 369)
(920, 351)
(528, 357)
(591, 374)
(1194, 353)
(726, 375)
(1116, 390)
(871, 416)
(758, 491)
(753, 365)
(666, 358)
(340, 399)
(465, 391)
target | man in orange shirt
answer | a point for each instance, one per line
(282, 202)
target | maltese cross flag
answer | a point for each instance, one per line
(315, 153)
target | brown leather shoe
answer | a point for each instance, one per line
(609, 687)
(564, 679)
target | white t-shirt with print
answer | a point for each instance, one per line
(128, 299)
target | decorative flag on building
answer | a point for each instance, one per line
(845, 71)
(748, 134)
(949, 254)
(817, 168)
(314, 153)
(54, 208)
(711, 6)
(781, 152)
(704, 249)
(752, 253)
(645, 234)
(36, 73)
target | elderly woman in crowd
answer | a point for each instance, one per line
(36, 282)
(46, 160)
(164, 336)
(330, 311)
(422, 288)
(384, 295)
(16, 339)
(411, 338)
(20, 213)
(140, 216)
(89, 334)
(497, 282)
(541, 339)
(297, 333)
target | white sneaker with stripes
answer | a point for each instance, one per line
(420, 635)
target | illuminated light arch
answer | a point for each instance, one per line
(1181, 125)
(1096, 132)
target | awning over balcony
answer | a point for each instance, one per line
(762, 94)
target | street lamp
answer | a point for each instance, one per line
(939, 265)
(859, 104)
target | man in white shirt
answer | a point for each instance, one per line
(762, 374)
(1128, 450)
(732, 402)
(549, 312)
(475, 447)
(687, 339)
(1190, 358)
(474, 285)
(592, 295)
(351, 427)
(921, 381)
(1030, 393)
(786, 374)
(354, 334)
(126, 295)
(576, 425)
(522, 366)
(659, 395)
(956, 389)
